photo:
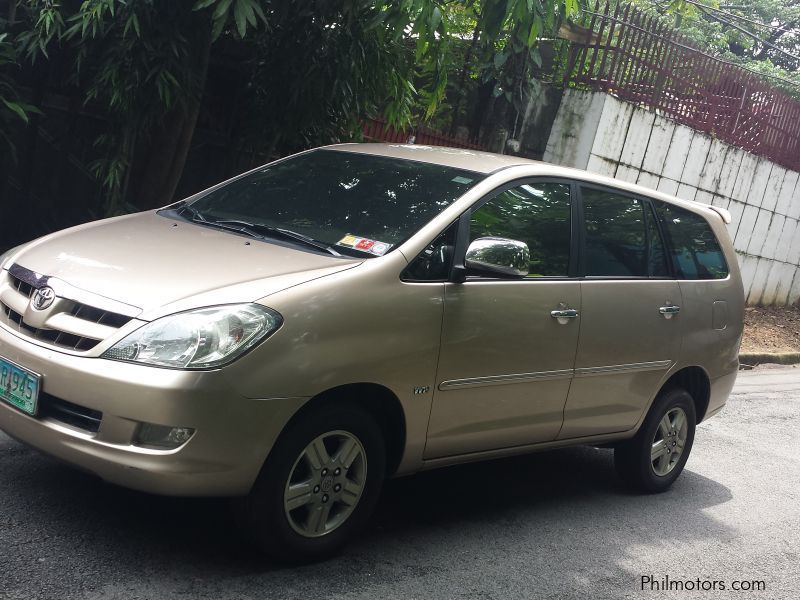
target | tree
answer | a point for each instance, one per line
(306, 73)
(760, 29)
(142, 65)
(763, 35)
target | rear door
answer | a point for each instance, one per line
(505, 362)
(630, 325)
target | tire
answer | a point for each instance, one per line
(285, 513)
(640, 463)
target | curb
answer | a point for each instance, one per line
(780, 358)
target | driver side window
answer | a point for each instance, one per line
(535, 213)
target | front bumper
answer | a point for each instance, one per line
(233, 434)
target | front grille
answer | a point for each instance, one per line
(68, 413)
(81, 336)
(26, 289)
(96, 315)
(51, 336)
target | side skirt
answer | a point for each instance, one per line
(593, 440)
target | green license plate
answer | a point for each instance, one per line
(19, 387)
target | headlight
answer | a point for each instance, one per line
(198, 339)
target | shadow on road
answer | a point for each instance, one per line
(546, 509)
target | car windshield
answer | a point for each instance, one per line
(352, 203)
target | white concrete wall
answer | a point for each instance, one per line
(600, 133)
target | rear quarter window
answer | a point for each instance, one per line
(694, 249)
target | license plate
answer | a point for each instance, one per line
(19, 387)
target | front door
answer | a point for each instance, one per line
(630, 333)
(506, 362)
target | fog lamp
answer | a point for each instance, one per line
(162, 436)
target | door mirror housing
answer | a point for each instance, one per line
(498, 256)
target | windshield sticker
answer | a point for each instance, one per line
(460, 179)
(364, 244)
(348, 240)
(380, 248)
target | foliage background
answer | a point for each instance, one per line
(111, 106)
(120, 105)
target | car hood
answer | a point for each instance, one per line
(161, 265)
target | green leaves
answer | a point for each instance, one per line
(48, 26)
(18, 108)
(244, 14)
(571, 8)
(302, 73)
(132, 24)
(133, 61)
(92, 19)
(11, 107)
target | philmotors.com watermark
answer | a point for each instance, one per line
(666, 583)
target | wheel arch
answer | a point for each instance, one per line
(378, 401)
(694, 380)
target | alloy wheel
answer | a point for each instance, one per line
(669, 441)
(325, 483)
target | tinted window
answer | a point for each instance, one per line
(433, 263)
(696, 253)
(616, 238)
(535, 213)
(358, 203)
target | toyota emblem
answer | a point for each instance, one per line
(43, 298)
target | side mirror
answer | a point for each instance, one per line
(498, 256)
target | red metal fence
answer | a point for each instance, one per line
(376, 130)
(631, 55)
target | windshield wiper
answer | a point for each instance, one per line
(197, 217)
(194, 214)
(256, 229)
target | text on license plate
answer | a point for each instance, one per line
(19, 387)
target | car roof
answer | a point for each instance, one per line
(461, 158)
(488, 163)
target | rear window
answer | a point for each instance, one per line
(695, 251)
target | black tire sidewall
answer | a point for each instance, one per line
(265, 515)
(633, 458)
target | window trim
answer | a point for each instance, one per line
(664, 241)
(458, 270)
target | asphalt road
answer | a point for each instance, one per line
(549, 525)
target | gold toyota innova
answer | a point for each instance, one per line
(299, 333)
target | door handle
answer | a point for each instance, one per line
(568, 313)
(668, 311)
